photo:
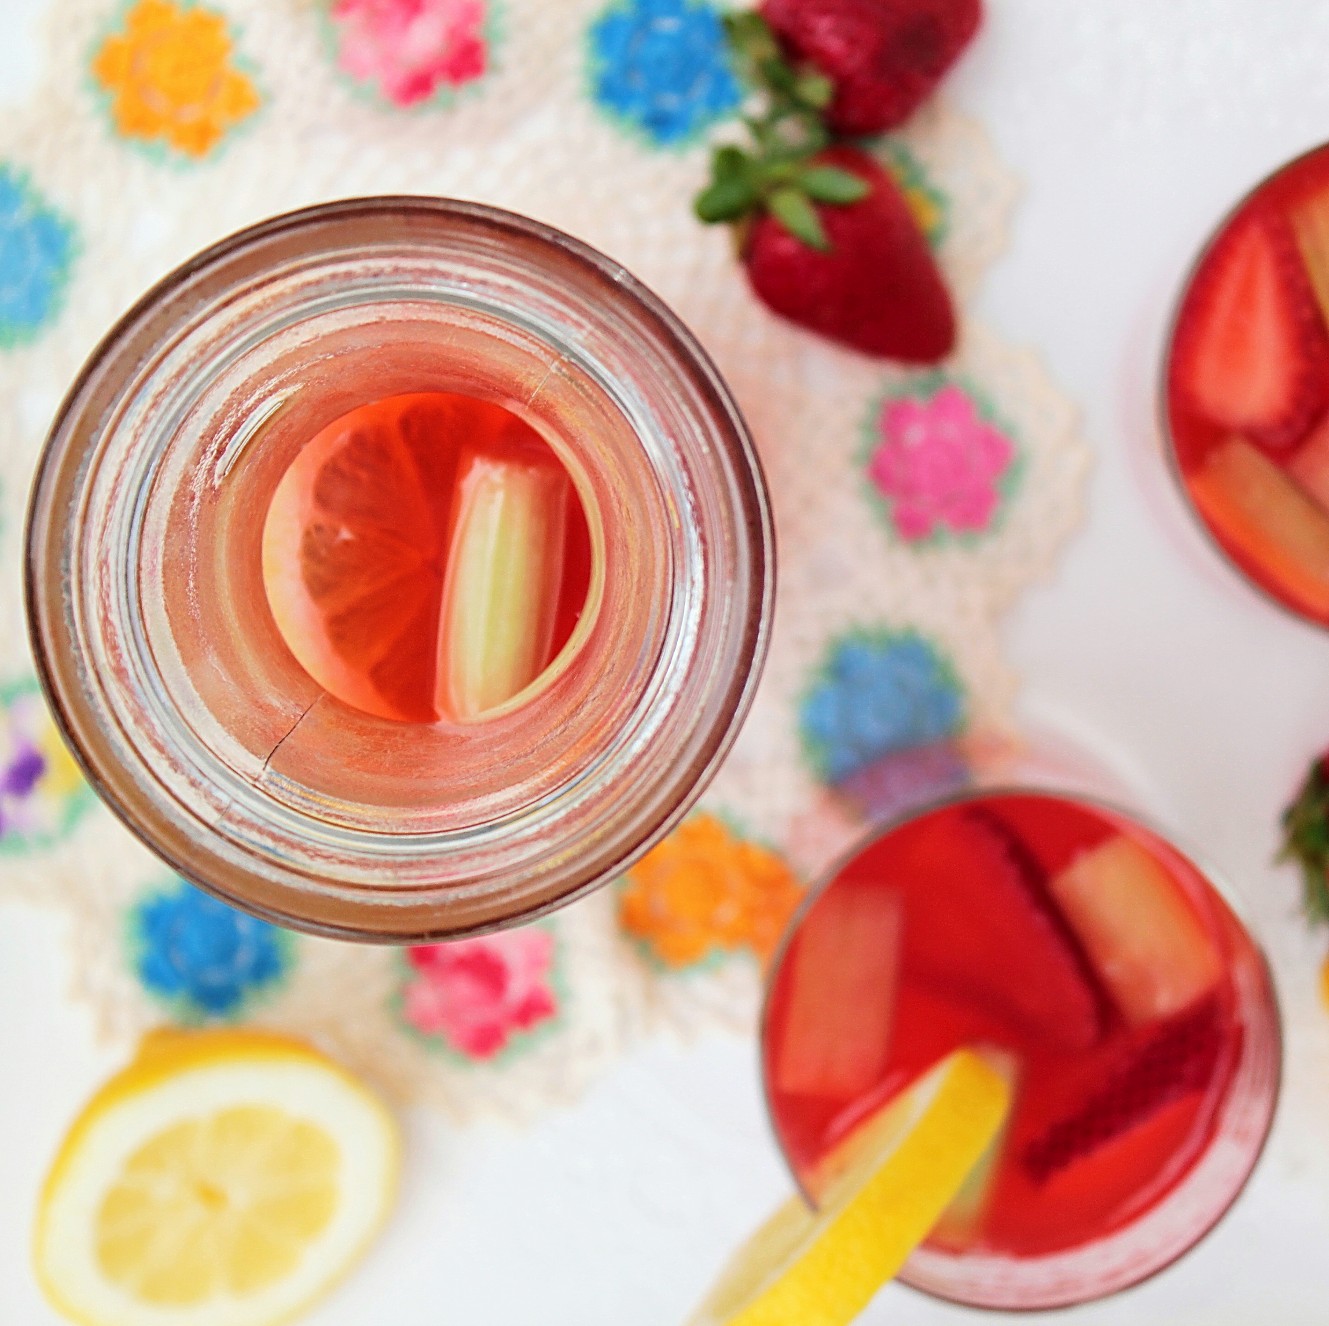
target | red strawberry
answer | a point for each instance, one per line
(1250, 351)
(978, 921)
(884, 56)
(1176, 1058)
(876, 287)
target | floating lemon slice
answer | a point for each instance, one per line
(883, 1190)
(225, 1178)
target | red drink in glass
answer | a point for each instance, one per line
(1100, 969)
(1247, 386)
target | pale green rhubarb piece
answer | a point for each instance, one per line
(1143, 936)
(501, 584)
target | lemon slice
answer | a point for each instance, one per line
(882, 1192)
(225, 1178)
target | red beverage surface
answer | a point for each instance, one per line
(359, 535)
(1248, 386)
(1094, 959)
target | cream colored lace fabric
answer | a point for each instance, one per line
(866, 602)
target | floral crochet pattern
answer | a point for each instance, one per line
(705, 889)
(408, 50)
(662, 67)
(203, 958)
(939, 464)
(480, 995)
(36, 251)
(42, 792)
(926, 202)
(171, 79)
(877, 693)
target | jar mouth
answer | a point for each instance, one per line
(1165, 1231)
(156, 652)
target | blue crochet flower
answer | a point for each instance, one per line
(202, 956)
(663, 67)
(36, 249)
(878, 692)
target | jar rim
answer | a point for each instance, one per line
(61, 493)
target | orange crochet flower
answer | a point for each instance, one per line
(171, 79)
(703, 888)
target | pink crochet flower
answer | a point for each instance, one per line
(476, 993)
(939, 463)
(411, 47)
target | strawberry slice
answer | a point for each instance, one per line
(1178, 1058)
(1053, 830)
(981, 924)
(1269, 526)
(1250, 351)
(1146, 942)
(839, 999)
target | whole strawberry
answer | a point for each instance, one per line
(884, 57)
(872, 284)
(826, 236)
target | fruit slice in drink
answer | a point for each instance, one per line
(1250, 353)
(878, 1195)
(843, 975)
(425, 556)
(1146, 943)
(1266, 521)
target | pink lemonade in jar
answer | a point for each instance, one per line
(1247, 387)
(1093, 964)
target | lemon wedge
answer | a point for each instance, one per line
(225, 1178)
(882, 1191)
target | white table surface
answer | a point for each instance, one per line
(1134, 123)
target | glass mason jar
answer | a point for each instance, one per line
(171, 681)
(896, 795)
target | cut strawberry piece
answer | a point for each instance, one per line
(961, 1224)
(1267, 523)
(981, 924)
(1053, 830)
(1250, 352)
(1309, 465)
(1183, 1056)
(1150, 949)
(504, 573)
(840, 993)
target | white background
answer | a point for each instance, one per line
(1134, 124)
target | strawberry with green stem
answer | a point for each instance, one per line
(826, 236)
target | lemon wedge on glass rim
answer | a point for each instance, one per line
(225, 1178)
(882, 1191)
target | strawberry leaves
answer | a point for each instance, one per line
(825, 235)
(776, 174)
(1306, 840)
(743, 183)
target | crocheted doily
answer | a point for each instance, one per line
(912, 507)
